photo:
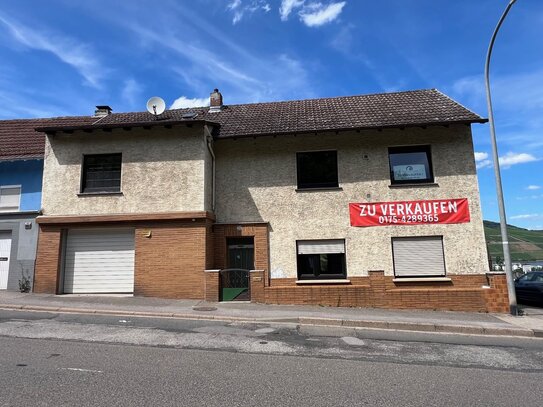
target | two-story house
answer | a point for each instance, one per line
(365, 200)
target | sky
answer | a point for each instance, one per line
(63, 57)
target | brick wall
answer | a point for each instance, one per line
(463, 293)
(171, 263)
(47, 260)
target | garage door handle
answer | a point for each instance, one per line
(3, 259)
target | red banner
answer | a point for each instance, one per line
(409, 212)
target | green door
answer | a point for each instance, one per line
(235, 279)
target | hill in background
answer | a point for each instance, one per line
(524, 244)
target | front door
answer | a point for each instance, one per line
(235, 278)
(5, 252)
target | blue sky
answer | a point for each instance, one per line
(62, 57)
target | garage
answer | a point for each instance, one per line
(99, 261)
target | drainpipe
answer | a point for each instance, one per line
(209, 140)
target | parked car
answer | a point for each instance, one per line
(529, 288)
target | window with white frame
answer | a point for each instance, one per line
(10, 198)
(321, 259)
(418, 256)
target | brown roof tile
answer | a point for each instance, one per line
(19, 140)
(419, 107)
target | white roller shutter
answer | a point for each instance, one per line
(418, 256)
(99, 261)
(321, 246)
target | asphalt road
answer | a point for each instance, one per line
(51, 359)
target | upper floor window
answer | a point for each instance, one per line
(101, 173)
(317, 169)
(10, 198)
(409, 165)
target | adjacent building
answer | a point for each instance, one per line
(366, 200)
(21, 172)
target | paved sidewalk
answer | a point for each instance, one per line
(412, 320)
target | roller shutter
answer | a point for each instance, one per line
(99, 261)
(321, 246)
(418, 256)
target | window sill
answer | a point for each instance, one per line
(318, 189)
(100, 194)
(330, 281)
(422, 280)
(415, 185)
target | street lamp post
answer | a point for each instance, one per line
(503, 221)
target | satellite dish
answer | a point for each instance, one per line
(156, 105)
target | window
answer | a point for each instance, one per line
(410, 165)
(317, 169)
(10, 198)
(418, 256)
(321, 259)
(101, 173)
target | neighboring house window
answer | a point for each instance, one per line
(10, 198)
(410, 165)
(321, 259)
(101, 173)
(418, 256)
(317, 169)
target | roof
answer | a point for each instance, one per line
(399, 109)
(19, 140)
(382, 110)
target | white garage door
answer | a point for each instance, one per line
(99, 261)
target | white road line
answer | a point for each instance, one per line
(81, 370)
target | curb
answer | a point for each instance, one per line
(329, 322)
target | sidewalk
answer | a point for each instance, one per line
(412, 320)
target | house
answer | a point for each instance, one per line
(367, 200)
(21, 171)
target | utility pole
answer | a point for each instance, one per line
(501, 206)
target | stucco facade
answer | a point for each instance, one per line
(256, 181)
(205, 196)
(163, 170)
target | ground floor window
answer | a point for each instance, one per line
(321, 259)
(420, 256)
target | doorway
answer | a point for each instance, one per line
(235, 278)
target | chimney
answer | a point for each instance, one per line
(102, 111)
(215, 101)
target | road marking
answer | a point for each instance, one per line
(350, 340)
(81, 370)
(265, 330)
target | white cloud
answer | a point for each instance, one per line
(480, 156)
(184, 102)
(240, 9)
(287, 6)
(506, 161)
(481, 160)
(131, 92)
(533, 187)
(317, 14)
(511, 158)
(68, 50)
(528, 216)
